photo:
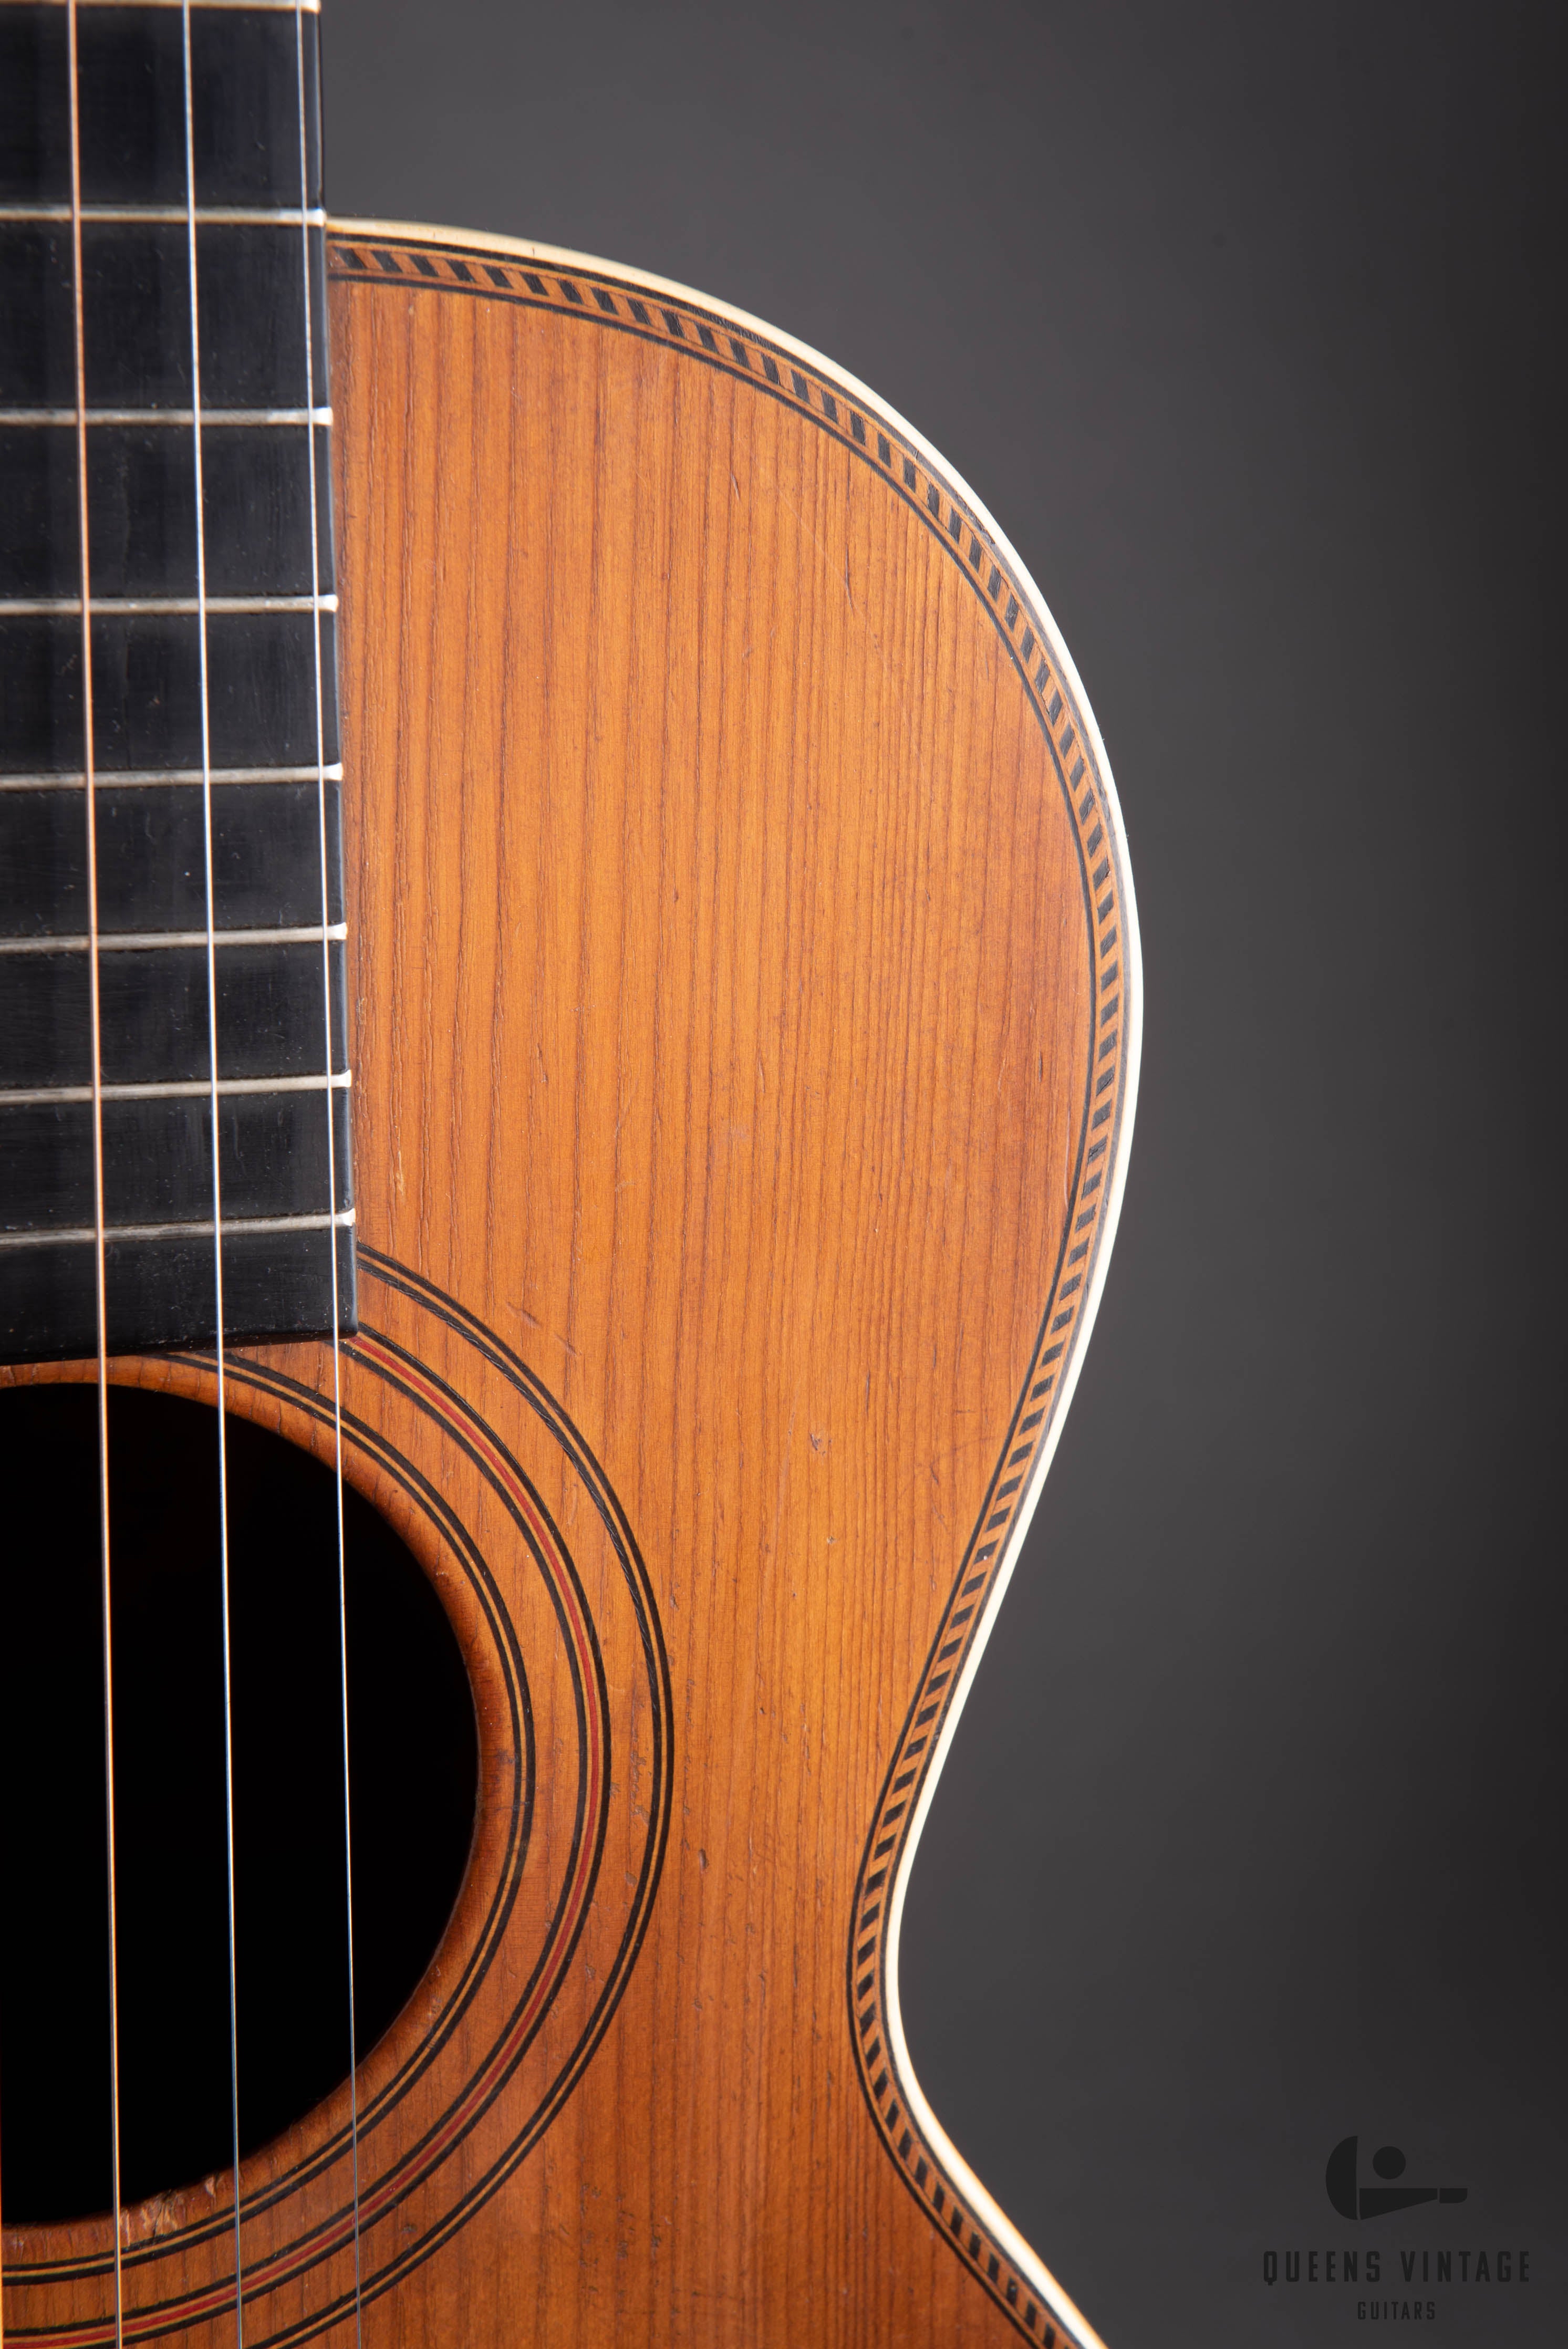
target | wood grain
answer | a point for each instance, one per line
(728, 1045)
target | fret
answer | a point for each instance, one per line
(158, 1161)
(266, 862)
(269, 946)
(136, 300)
(280, 7)
(108, 607)
(31, 416)
(196, 1089)
(147, 690)
(270, 1016)
(154, 777)
(135, 941)
(161, 1292)
(141, 517)
(167, 215)
(195, 1227)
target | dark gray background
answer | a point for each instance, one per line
(1238, 317)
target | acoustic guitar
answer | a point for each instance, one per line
(548, 1236)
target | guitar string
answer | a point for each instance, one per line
(331, 1160)
(95, 1037)
(217, 1145)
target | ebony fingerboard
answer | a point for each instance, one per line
(210, 789)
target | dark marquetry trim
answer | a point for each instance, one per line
(603, 298)
(290, 2262)
(1013, 1480)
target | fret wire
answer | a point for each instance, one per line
(144, 778)
(165, 415)
(100, 1288)
(111, 607)
(145, 941)
(275, 7)
(199, 1229)
(179, 1089)
(172, 215)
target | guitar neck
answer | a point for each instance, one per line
(171, 932)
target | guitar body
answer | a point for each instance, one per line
(743, 1015)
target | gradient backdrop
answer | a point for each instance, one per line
(1251, 1837)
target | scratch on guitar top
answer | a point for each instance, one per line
(625, 1107)
(534, 1323)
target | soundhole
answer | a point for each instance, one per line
(413, 1769)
